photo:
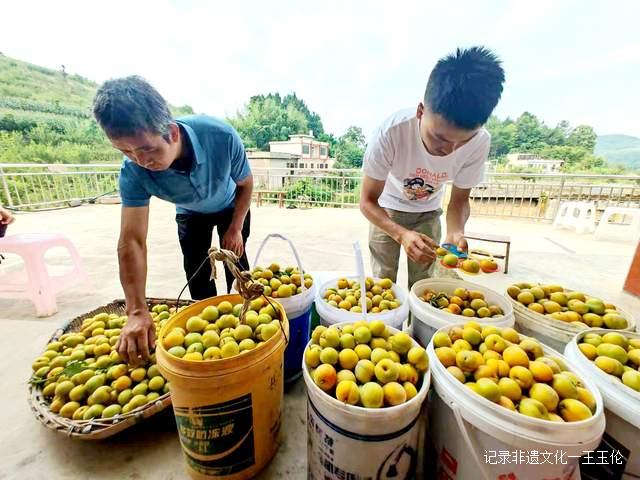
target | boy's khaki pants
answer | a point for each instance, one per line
(385, 251)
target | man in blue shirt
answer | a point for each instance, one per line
(199, 164)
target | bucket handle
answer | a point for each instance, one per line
(247, 288)
(293, 249)
(360, 268)
(467, 438)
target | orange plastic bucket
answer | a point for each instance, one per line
(228, 411)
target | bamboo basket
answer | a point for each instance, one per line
(97, 428)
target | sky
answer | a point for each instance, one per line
(352, 62)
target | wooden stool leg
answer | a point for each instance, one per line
(506, 259)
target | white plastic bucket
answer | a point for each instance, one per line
(297, 304)
(346, 440)
(298, 310)
(331, 315)
(549, 331)
(471, 433)
(622, 404)
(425, 319)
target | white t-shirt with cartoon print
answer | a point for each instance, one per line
(415, 179)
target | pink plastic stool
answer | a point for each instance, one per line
(41, 287)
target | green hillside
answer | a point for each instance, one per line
(623, 149)
(40, 87)
(45, 117)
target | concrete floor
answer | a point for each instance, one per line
(323, 237)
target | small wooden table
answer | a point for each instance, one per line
(260, 193)
(487, 237)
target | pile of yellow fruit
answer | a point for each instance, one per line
(469, 303)
(280, 283)
(469, 265)
(363, 364)
(615, 354)
(217, 332)
(83, 376)
(571, 307)
(346, 295)
(513, 372)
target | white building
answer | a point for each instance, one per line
(534, 162)
(313, 154)
(272, 160)
(277, 167)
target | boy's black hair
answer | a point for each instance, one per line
(127, 106)
(465, 87)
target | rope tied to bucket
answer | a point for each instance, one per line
(248, 288)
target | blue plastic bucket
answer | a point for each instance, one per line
(298, 310)
(298, 338)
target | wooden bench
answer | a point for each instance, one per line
(260, 194)
(487, 237)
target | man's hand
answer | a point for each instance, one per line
(6, 217)
(138, 338)
(419, 247)
(232, 240)
(457, 238)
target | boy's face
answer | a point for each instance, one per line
(440, 137)
(150, 150)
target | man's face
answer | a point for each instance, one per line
(150, 150)
(440, 137)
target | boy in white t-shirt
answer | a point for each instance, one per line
(414, 153)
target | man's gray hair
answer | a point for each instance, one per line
(128, 106)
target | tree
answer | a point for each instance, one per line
(503, 136)
(265, 119)
(530, 134)
(571, 155)
(314, 122)
(354, 135)
(565, 128)
(350, 148)
(583, 136)
(557, 135)
(271, 117)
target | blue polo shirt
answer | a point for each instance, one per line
(209, 187)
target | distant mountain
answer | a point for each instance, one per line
(623, 149)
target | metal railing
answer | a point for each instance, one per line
(538, 196)
(36, 186)
(521, 195)
(326, 188)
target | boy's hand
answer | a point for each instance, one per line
(458, 240)
(419, 247)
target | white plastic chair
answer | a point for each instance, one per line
(580, 216)
(619, 230)
(41, 287)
